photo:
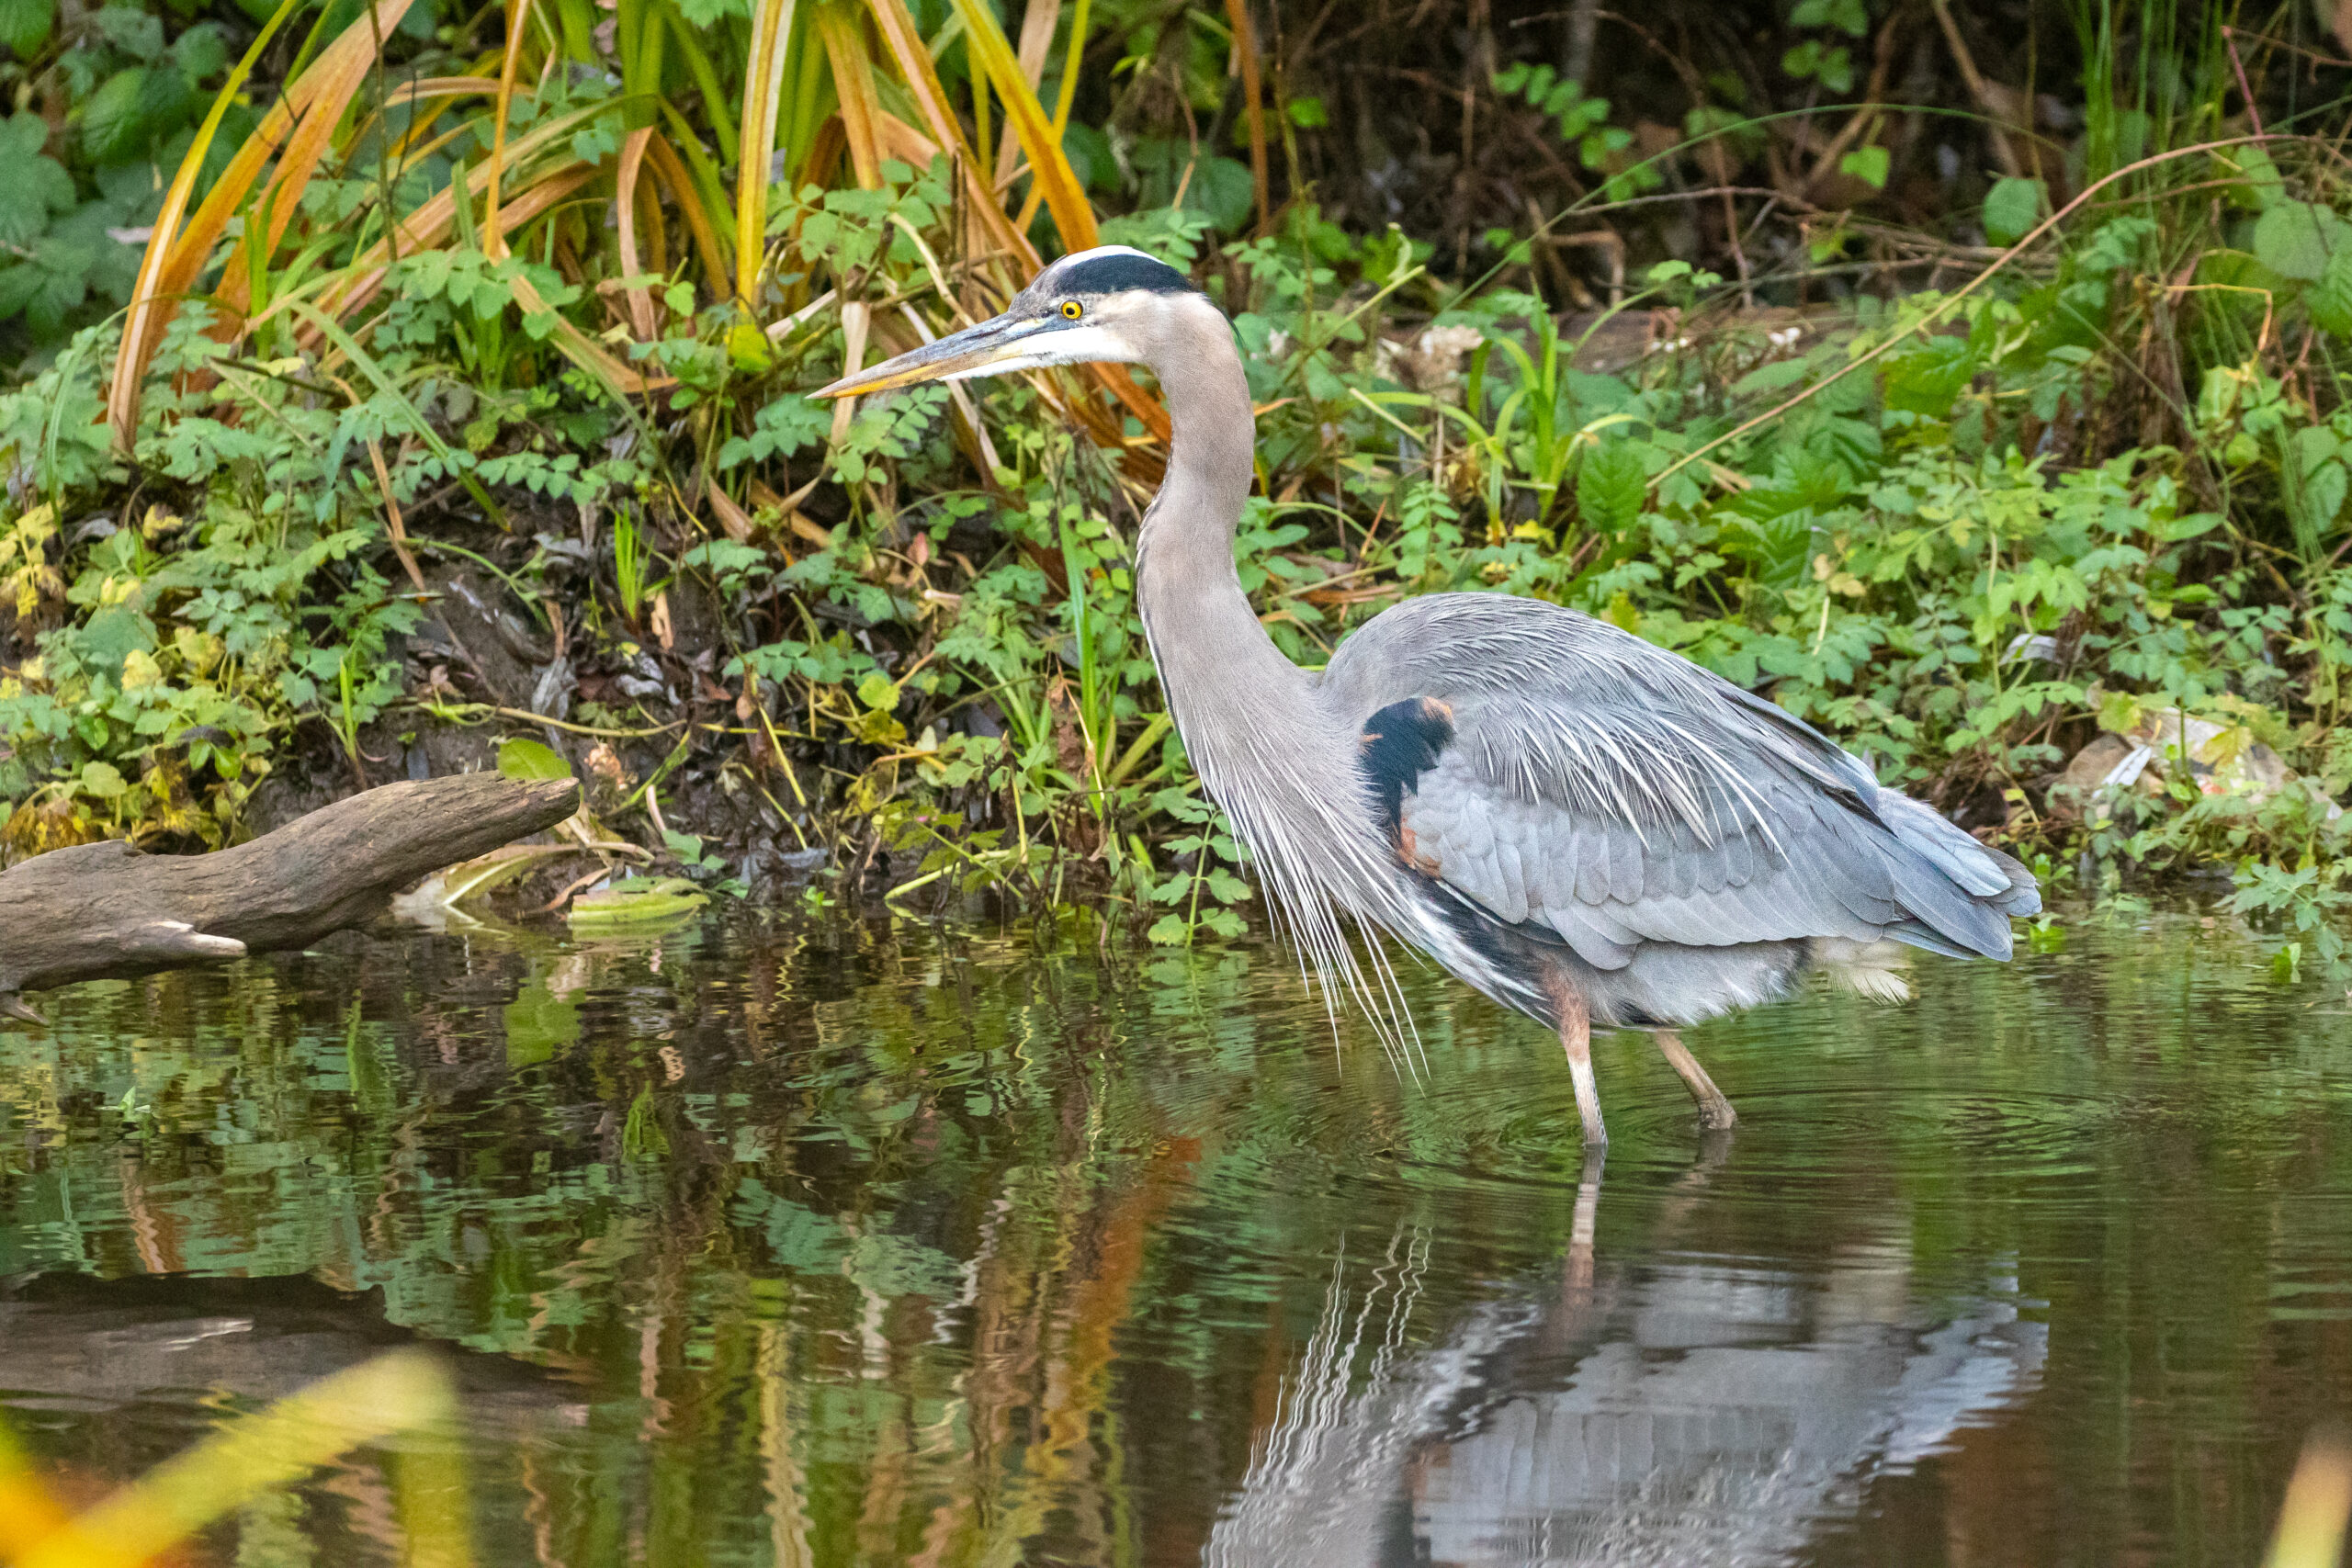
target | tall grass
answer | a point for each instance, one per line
(814, 99)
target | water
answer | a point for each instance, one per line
(883, 1244)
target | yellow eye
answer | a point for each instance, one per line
(1072, 309)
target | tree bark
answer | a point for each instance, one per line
(105, 910)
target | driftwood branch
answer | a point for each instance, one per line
(105, 910)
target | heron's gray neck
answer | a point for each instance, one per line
(1256, 726)
(1216, 661)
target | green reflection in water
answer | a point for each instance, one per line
(876, 1245)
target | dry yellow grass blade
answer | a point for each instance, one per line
(1245, 45)
(542, 193)
(625, 182)
(430, 223)
(1049, 171)
(495, 241)
(403, 1391)
(763, 98)
(621, 379)
(340, 73)
(1065, 197)
(174, 257)
(1063, 98)
(681, 181)
(2312, 1520)
(439, 91)
(857, 317)
(908, 53)
(27, 1512)
(904, 143)
(853, 85)
(1037, 42)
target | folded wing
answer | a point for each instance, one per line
(1568, 778)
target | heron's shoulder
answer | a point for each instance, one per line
(1477, 612)
(1516, 673)
(1463, 644)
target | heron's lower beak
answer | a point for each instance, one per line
(1004, 343)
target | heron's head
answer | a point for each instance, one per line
(1110, 303)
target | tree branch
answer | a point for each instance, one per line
(105, 910)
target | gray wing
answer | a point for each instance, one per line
(1562, 774)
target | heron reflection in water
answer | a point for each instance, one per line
(1689, 1410)
(1584, 827)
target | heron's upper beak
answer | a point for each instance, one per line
(1005, 343)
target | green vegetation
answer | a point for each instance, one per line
(465, 398)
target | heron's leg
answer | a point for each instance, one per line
(1714, 1111)
(1576, 1038)
(1581, 1222)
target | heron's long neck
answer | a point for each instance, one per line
(1217, 663)
(1271, 753)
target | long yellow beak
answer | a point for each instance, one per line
(1001, 343)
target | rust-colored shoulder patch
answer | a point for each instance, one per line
(1409, 848)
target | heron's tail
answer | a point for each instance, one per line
(1962, 893)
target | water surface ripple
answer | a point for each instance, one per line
(883, 1244)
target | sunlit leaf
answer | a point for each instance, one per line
(636, 903)
(1868, 164)
(2295, 239)
(2011, 209)
(522, 757)
(2330, 299)
(1611, 486)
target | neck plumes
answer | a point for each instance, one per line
(1280, 764)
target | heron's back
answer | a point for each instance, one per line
(1559, 791)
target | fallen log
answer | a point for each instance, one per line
(105, 910)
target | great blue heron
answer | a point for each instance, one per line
(1585, 828)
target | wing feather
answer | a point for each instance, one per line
(1619, 796)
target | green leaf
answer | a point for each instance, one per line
(539, 1025)
(638, 902)
(2011, 209)
(2295, 239)
(130, 111)
(101, 781)
(2330, 299)
(40, 187)
(1170, 931)
(878, 691)
(2118, 713)
(2314, 488)
(1611, 486)
(1227, 888)
(1308, 114)
(1846, 14)
(1774, 376)
(110, 117)
(24, 25)
(1868, 164)
(201, 51)
(527, 760)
